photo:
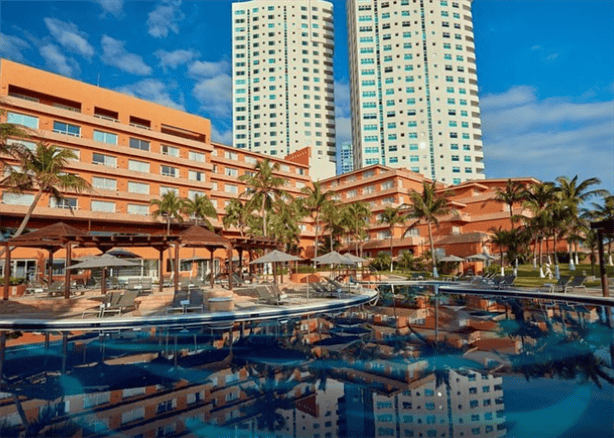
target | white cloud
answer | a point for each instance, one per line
(113, 7)
(56, 60)
(513, 97)
(547, 138)
(166, 16)
(343, 126)
(175, 58)
(68, 36)
(342, 99)
(552, 56)
(12, 46)
(206, 69)
(114, 53)
(223, 137)
(215, 95)
(152, 90)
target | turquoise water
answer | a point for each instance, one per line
(452, 366)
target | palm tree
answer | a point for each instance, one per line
(11, 150)
(537, 199)
(500, 238)
(200, 208)
(284, 224)
(333, 218)
(236, 215)
(605, 211)
(315, 202)
(356, 219)
(427, 206)
(44, 171)
(170, 208)
(393, 216)
(263, 188)
(573, 193)
(513, 193)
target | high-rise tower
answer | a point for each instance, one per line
(283, 84)
(414, 90)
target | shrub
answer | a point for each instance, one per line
(381, 262)
(305, 270)
(494, 268)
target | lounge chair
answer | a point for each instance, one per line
(271, 294)
(507, 281)
(146, 284)
(576, 283)
(56, 289)
(559, 286)
(339, 287)
(125, 302)
(179, 300)
(110, 299)
(113, 283)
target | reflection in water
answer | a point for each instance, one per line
(418, 365)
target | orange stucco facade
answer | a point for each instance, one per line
(132, 151)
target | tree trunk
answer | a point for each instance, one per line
(263, 216)
(390, 249)
(26, 218)
(541, 258)
(535, 253)
(315, 245)
(432, 249)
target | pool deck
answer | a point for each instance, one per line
(36, 312)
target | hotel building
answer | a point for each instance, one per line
(414, 89)
(283, 83)
(132, 151)
(129, 150)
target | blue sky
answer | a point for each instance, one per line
(545, 69)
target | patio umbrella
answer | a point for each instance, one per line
(454, 259)
(123, 253)
(451, 258)
(104, 261)
(333, 258)
(354, 258)
(479, 257)
(275, 257)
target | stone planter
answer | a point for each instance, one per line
(221, 304)
(18, 290)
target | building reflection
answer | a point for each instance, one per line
(397, 371)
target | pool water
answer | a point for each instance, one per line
(417, 365)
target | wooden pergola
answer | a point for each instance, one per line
(105, 243)
(51, 238)
(250, 244)
(62, 236)
(199, 237)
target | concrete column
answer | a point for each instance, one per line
(7, 272)
(67, 271)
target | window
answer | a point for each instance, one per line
(103, 206)
(196, 156)
(67, 129)
(138, 166)
(231, 188)
(105, 137)
(165, 189)
(231, 156)
(104, 183)
(169, 171)
(195, 175)
(229, 171)
(169, 150)
(137, 143)
(136, 187)
(104, 160)
(22, 119)
(138, 209)
(69, 203)
(387, 185)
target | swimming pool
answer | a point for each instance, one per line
(419, 364)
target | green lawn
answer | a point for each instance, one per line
(527, 277)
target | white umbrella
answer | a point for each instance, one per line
(104, 261)
(275, 257)
(451, 258)
(354, 258)
(333, 258)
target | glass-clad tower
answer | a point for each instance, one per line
(283, 83)
(414, 89)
